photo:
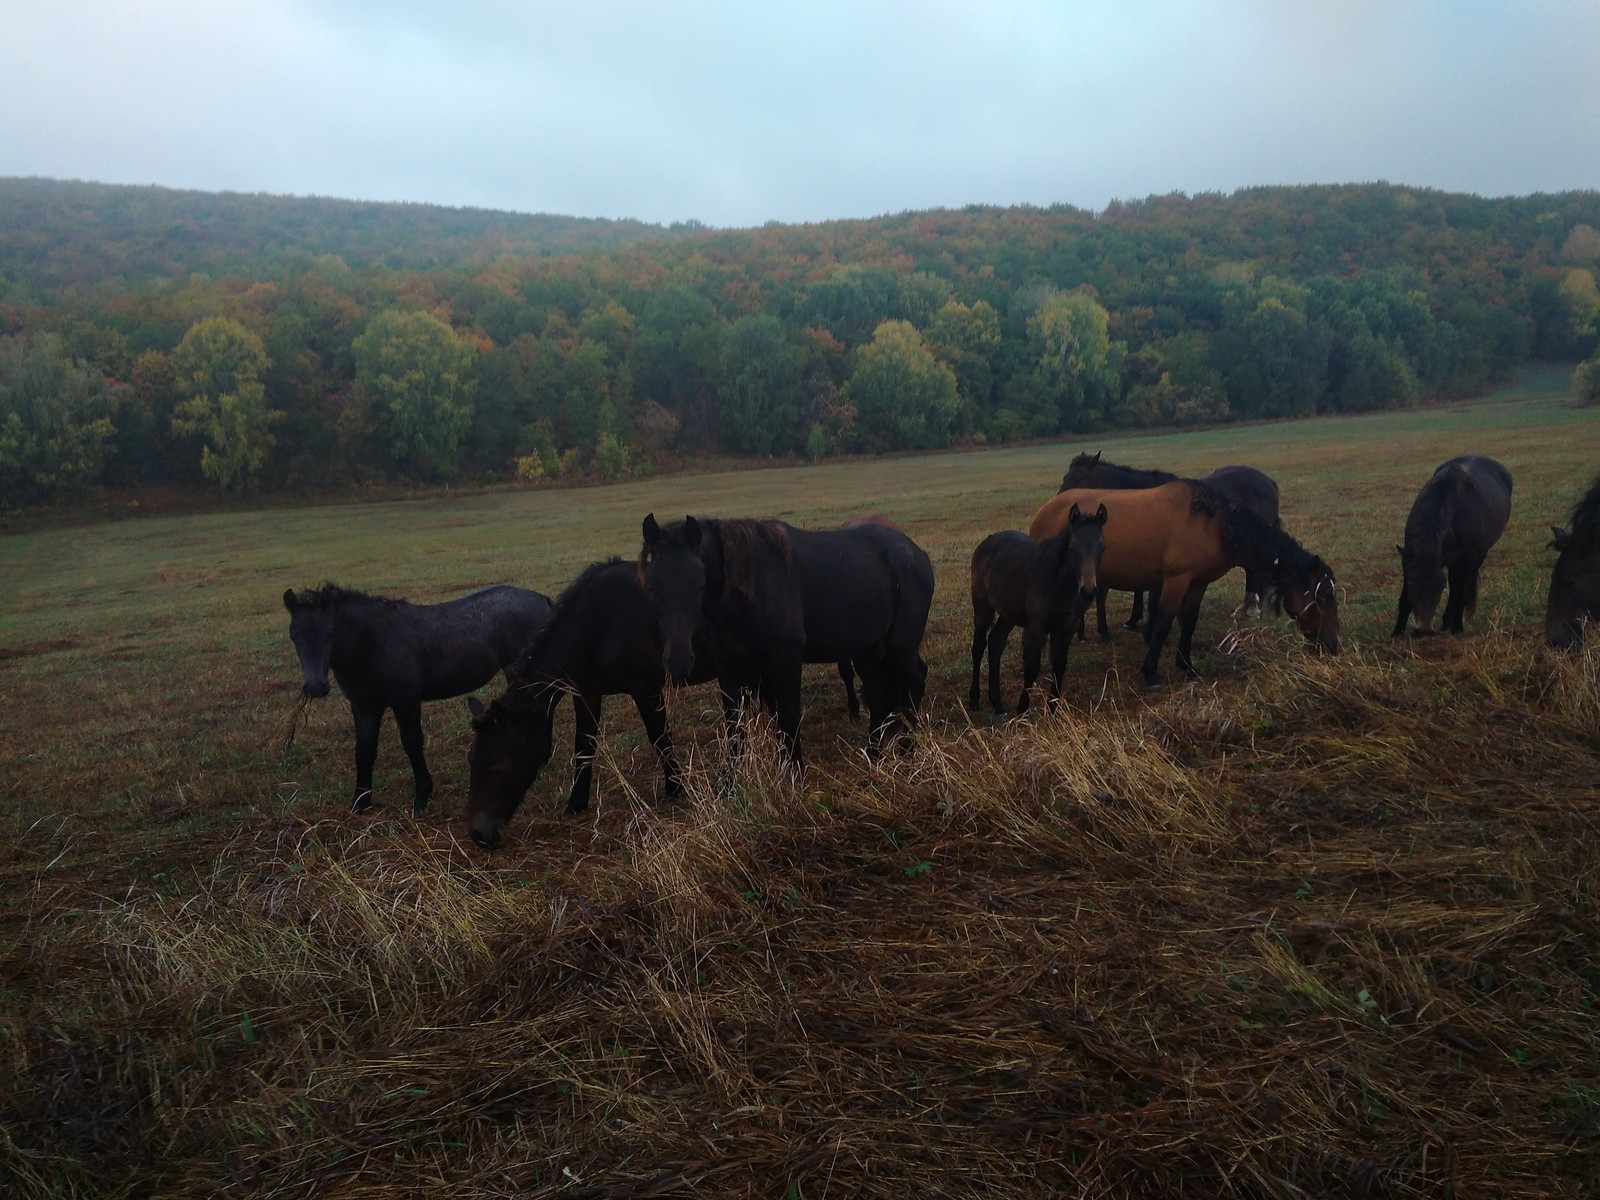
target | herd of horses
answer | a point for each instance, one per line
(746, 603)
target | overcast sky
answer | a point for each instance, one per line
(742, 112)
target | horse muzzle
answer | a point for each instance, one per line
(677, 666)
(1328, 643)
(314, 691)
(486, 832)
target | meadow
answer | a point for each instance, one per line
(1302, 926)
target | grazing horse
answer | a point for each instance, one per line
(1460, 512)
(1245, 486)
(774, 597)
(391, 654)
(1043, 586)
(1181, 537)
(601, 640)
(1575, 579)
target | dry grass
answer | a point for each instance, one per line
(1307, 927)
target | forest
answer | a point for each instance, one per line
(246, 343)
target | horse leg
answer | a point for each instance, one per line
(585, 737)
(1463, 579)
(1404, 614)
(1100, 614)
(1136, 616)
(782, 684)
(847, 674)
(1161, 617)
(1032, 651)
(1060, 642)
(367, 721)
(982, 619)
(1251, 607)
(408, 716)
(1154, 604)
(1187, 621)
(652, 708)
(884, 695)
(997, 648)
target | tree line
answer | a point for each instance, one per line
(271, 343)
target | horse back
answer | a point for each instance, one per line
(1248, 488)
(1000, 566)
(1467, 502)
(857, 588)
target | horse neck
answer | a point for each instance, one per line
(358, 623)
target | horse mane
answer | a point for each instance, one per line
(1585, 523)
(1267, 547)
(331, 595)
(561, 614)
(742, 542)
(1153, 477)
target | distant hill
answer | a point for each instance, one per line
(58, 234)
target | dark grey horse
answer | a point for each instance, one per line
(1575, 578)
(390, 654)
(1460, 512)
(1245, 486)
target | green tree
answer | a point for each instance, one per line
(1075, 359)
(1586, 382)
(420, 372)
(56, 419)
(904, 398)
(217, 370)
(760, 374)
(1273, 357)
(965, 339)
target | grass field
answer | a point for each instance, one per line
(1303, 927)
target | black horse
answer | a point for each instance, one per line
(1575, 579)
(1245, 486)
(774, 597)
(1043, 586)
(601, 640)
(1459, 513)
(391, 654)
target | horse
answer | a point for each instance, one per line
(601, 640)
(1043, 586)
(774, 597)
(389, 654)
(1181, 537)
(1575, 578)
(1460, 512)
(847, 674)
(1246, 486)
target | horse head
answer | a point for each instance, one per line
(508, 751)
(1310, 595)
(1082, 471)
(1084, 550)
(1574, 591)
(1423, 576)
(311, 631)
(673, 573)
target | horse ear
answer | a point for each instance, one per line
(289, 600)
(1097, 455)
(1560, 539)
(1101, 515)
(1075, 517)
(652, 531)
(475, 707)
(691, 532)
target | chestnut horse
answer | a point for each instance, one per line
(1181, 537)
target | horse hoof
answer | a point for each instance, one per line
(361, 803)
(1152, 685)
(420, 807)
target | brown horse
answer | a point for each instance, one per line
(1181, 537)
(1043, 586)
